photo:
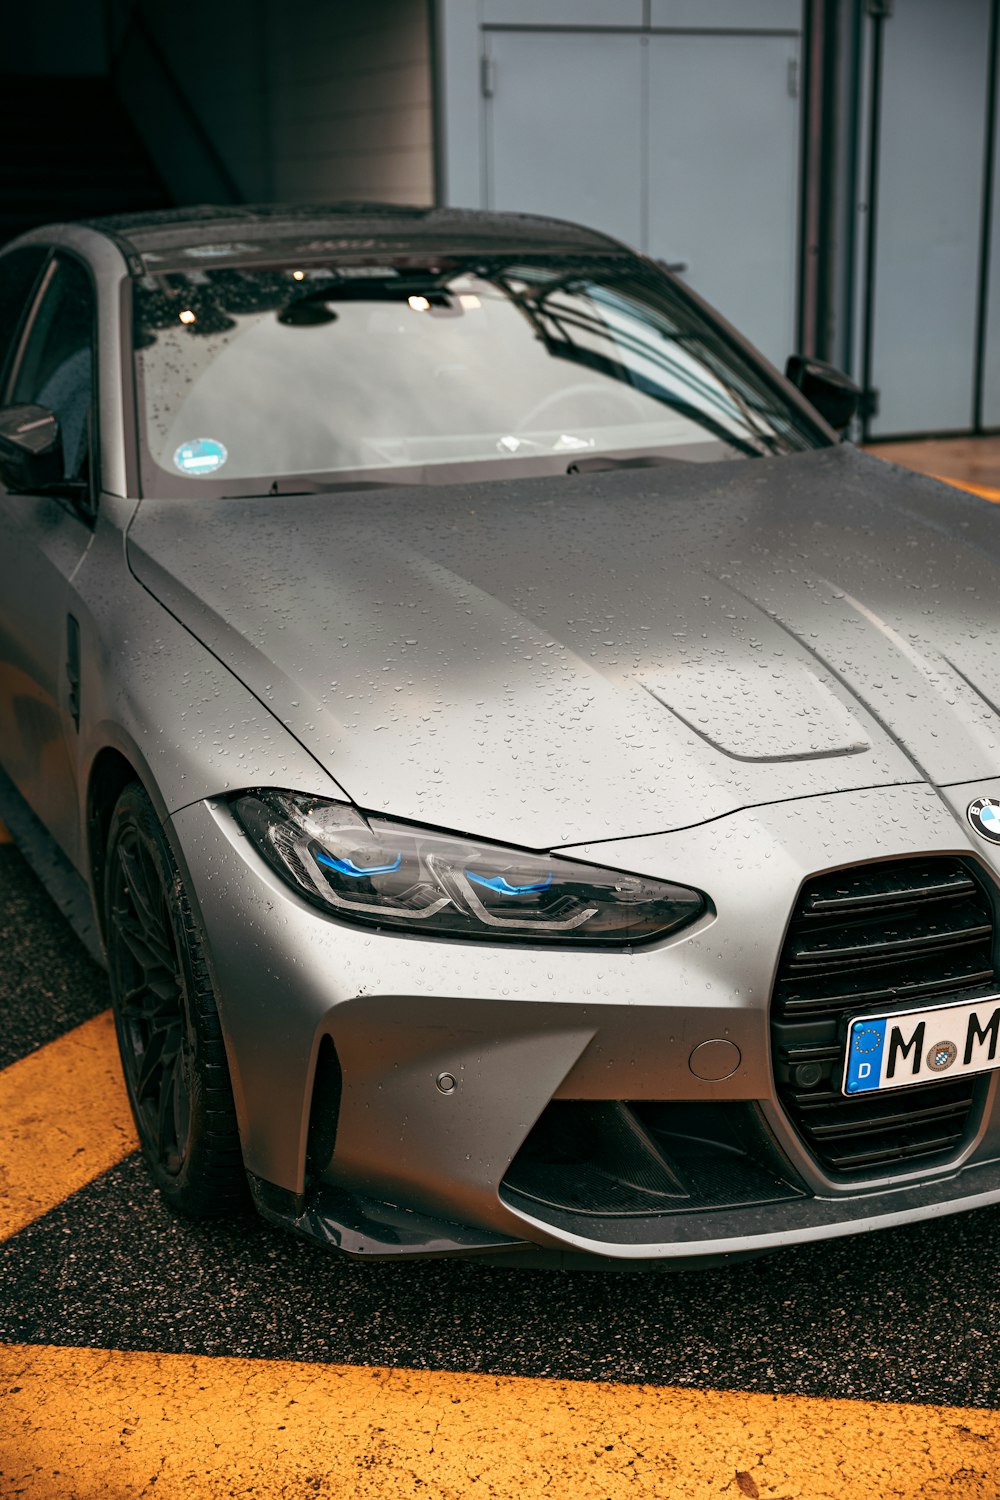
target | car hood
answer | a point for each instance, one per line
(560, 660)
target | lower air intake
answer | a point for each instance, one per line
(612, 1169)
(898, 935)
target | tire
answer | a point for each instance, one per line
(169, 1035)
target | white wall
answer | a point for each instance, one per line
(928, 210)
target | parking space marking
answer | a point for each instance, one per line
(94, 1422)
(984, 491)
(66, 1120)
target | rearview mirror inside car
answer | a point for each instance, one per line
(31, 455)
(834, 394)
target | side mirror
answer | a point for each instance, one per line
(834, 394)
(31, 456)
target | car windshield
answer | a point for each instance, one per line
(257, 378)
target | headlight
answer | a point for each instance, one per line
(386, 874)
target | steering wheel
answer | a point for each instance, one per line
(623, 396)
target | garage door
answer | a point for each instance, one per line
(685, 145)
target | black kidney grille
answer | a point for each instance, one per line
(890, 936)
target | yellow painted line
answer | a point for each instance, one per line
(5, 837)
(985, 491)
(87, 1423)
(64, 1119)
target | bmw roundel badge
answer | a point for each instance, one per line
(984, 815)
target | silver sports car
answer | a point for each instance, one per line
(537, 790)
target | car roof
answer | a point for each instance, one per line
(241, 233)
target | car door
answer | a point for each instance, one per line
(43, 538)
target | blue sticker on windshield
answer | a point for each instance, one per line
(200, 456)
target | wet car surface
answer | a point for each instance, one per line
(511, 837)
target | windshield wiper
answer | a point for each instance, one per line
(291, 487)
(606, 461)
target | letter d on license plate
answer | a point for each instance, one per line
(919, 1046)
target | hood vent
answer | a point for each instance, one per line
(886, 936)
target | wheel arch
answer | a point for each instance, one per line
(111, 771)
(113, 768)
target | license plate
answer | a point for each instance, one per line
(920, 1046)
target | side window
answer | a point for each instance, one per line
(55, 364)
(19, 270)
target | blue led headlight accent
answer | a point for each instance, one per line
(382, 873)
(498, 883)
(348, 867)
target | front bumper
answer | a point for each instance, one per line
(342, 1041)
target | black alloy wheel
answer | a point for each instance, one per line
(172, 1051)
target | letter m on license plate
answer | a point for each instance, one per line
(920, 1046)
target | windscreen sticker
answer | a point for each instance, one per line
(200, 456)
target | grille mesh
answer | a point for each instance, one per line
(891, 936)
